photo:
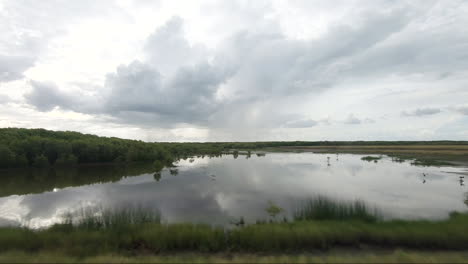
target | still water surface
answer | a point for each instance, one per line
(221, 190)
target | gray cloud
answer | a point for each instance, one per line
(352, 120)
(462, 110)
(167, 49)
(304, 123)
(188, 96)
(12, 67)
(45, 96)
(28, 26)
(257, 75)
(4, 99)
(421, 112)
(175, 84)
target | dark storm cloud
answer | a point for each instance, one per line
(422, 112)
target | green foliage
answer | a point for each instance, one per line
(273, 210)
(66, 160)
(7, 157)
(41, 161)
(158, 165)
(20, 147)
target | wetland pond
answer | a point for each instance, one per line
(222, 189)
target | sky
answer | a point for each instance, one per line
(237, 70)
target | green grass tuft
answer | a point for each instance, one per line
(323, 208)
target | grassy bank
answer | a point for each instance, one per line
(340, 256)
(117, 234)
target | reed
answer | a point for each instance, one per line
(324, 208)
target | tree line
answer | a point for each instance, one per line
(43, 148)
(20, 147)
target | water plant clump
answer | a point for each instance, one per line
(324, 208)
(371, 158)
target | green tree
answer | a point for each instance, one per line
(41, 161)
(67, 160)
(7, 157)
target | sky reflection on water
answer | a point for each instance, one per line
(220, 190)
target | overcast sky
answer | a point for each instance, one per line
(237, 70)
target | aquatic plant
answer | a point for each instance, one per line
(371, 158)
(324, 208)
(273, 210)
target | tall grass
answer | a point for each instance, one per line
(324, 208)
(112, 218)
(268, 237)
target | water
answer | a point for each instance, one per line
(221, 190)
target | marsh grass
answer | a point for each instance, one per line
(324, 208)
(112, 218)
(293, 236)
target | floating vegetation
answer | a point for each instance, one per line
(371, 158)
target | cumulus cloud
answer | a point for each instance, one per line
(260, 73)
(421, 112)
(188, 96)
(167, 49)
(44, 96)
